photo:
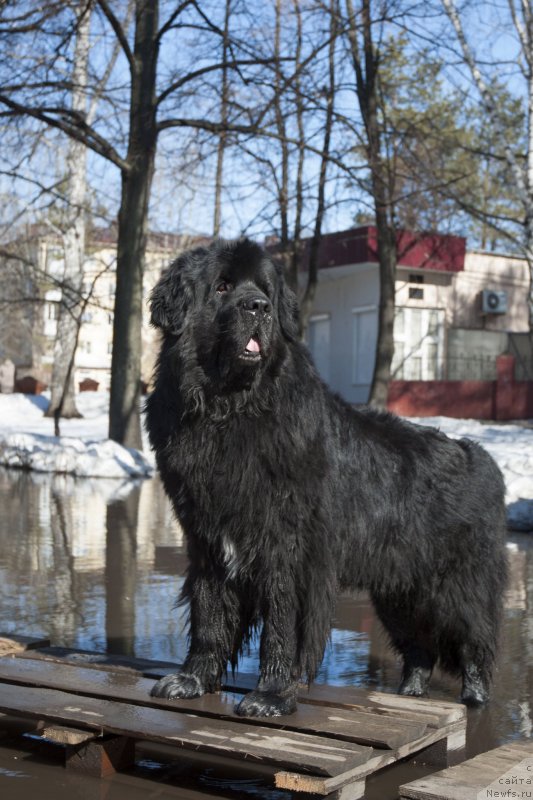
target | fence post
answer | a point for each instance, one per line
(504, 406)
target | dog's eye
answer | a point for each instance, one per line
(223, 287)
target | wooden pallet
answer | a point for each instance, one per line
(98, 705)
(472, 780)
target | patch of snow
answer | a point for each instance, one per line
(83, 449)
(511, 446)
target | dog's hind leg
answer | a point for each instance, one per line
(410, 636)
(474, 658)
(476, 683)
(418, 665)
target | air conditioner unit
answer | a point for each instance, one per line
(493, 302)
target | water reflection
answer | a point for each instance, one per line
(98, 565)
(78, 563)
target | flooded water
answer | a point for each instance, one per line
(98, 565)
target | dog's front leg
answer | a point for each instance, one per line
(214, 620)
(275, 694)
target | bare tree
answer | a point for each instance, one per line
(521, 15)
(73, 229)
(365, 59)
(154, 106)
(224, 101)
(291, 157)
(329, 92)
(62, 401)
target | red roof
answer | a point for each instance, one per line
(432, 251)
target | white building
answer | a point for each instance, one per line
(93, 356)
(456, 311)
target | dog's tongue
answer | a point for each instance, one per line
(253, 346)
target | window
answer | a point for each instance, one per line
(318, 338)
(415, 293)
(365, 334)
(415, 277)
(418, 344)
(52, 310)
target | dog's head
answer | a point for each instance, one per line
(229, 308)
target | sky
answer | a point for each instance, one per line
(182, 197)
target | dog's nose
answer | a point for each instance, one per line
(257, 304)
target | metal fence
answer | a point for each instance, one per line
(471, 368)
(521, 347)
(457, 368)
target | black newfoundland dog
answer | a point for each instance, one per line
(287, 495)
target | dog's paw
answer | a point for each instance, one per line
(266, 704)
(416, 683)
(475, 693)
(475, 687)
(180, 684)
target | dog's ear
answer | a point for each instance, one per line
(170, 299)
(288, 311)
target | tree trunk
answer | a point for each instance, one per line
(365, 63)
(312, 276)
(221, 147)
(62, 402)
(528, 53)
(283, 188)
(124, 410)
(386, 239)
(292, 268)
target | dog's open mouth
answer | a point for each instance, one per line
(252, 351)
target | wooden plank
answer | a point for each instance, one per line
(316, 694)
(356, 726)
(62, 735)
(466, 780)
(151, 668)
(353, 726)
(353, 791)
(96, 660)
(11, 643)
(300, 752)
(380, 759)
(101, 758)
(360, 700)
(447, 712)
(429, 712)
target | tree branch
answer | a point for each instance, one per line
(119, 32)
(486, 96)
(211, 68)
(253, 130)
(77, 129)
(170, 21)
(100, 86)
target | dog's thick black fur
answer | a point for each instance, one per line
(287, 495)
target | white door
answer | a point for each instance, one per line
(418, 344)
(318, 337)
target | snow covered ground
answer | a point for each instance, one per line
(27, 441)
